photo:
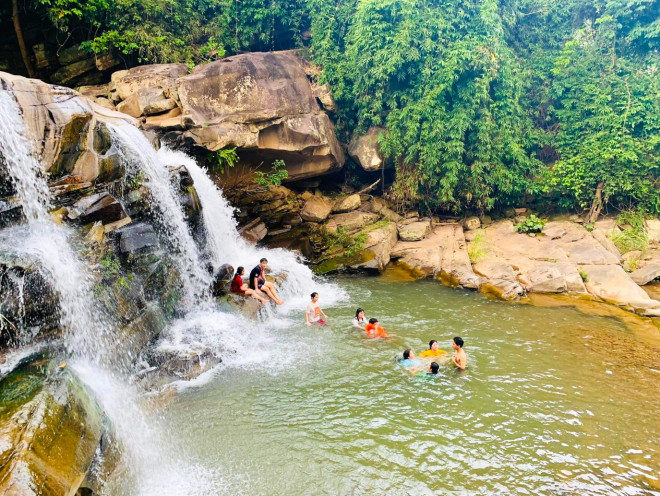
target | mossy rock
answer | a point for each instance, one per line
(50, 428)
(344, 262)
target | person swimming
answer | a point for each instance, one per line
(459, 359)
(359, 320)
(433, 350)
(409, 359)
(374, 329)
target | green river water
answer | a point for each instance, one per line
(555, 401)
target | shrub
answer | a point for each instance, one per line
(584, 276)
(531, 225)
(275, 178)
(634, 237)
(478, 249)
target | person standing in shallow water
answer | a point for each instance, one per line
(314, 312)
(258, 282)
(460, 358)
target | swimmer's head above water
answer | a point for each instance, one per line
(408, 354)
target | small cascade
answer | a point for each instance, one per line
(45, 241)
(139, 155)
(225, 245)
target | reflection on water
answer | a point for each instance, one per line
(554, 401)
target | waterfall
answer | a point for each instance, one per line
(225, 245)
(139, 155)
(43, 240)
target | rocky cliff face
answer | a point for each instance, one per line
(264, 104)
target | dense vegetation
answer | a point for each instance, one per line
(484, 103)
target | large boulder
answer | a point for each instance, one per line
(261, 103)
(50, 432)
(364, 150)
(612, 284)
(66, 130)
(123, 84)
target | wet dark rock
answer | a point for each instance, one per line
(137, 237)
(106, 209)
(221, 280)
(28, 303)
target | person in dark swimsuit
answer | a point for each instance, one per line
(258, 282)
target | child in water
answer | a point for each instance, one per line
(409, 359)
(374, 329)
(360, 320)
(460, 358)
(314, 312)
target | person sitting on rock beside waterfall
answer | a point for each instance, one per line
(433, 350)
(259, 283)
(314, 312)
(460, 358)
(359, 321)
(240, 287)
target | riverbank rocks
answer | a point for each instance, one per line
(346, 204)
(50, 431)
(316, 209)
(415, 231)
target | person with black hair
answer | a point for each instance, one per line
(434, 368)
(258, 282)
(460, 358)
(374, 329)
(433, 350)
(314, 312)
(239, 287)
(360, 320)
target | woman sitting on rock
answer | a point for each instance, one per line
(239, 287)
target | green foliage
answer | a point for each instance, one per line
(583, 275)
(633, 236)
(110, 266)
(478, 249)
(225, 157)
(532, 224)
(274, 178)
(189, 31)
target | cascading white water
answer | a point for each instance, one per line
(151, 464)
(225, 245)
(45, 241)
(139, 155)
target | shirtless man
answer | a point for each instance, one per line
(258, 282)
(460, 358)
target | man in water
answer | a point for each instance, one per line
(433, 350)
(460, 358)
(258, 282)
(314, 312)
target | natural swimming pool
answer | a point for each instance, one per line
(554, 401)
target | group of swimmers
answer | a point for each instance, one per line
(257, 285)
(314, 315)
